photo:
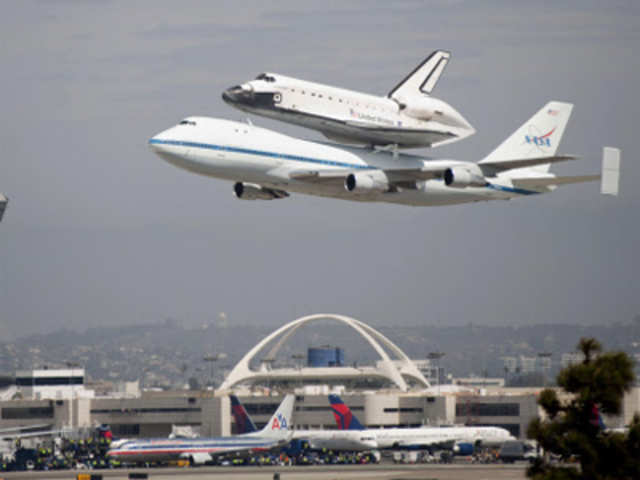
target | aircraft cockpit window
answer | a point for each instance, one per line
(187, 122)
(265, 77)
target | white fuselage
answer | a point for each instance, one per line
(349, 440)
(245, 153)
(349, 116)
(444, 437)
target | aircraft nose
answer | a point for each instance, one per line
(157, 142)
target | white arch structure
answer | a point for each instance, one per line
(395, 371)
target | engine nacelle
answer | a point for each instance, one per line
(422, 108)
(251, 191)
(432, 109)
(463, 448)
(196, 458)
(367, 182)
(464, 176)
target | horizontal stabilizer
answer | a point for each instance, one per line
(511, 164)
(610, 171)
(551, 181)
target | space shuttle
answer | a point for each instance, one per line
(407, 117)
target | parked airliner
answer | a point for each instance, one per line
(337, 440)
(275, 434)
(407, 117)
(461, 440)
(267, 165)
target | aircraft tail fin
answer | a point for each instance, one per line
(342, 413)
(537, 137)
(280, 425)
(424, 77)
(242, 418)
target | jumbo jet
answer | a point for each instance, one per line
(407, 117)
(337, 440)
(460, 440)
(274, 435)
(266, 165)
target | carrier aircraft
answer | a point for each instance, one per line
(407, 117)
(265, 165)
(275, 434)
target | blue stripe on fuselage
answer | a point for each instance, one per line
(262, 153)
(298, 158)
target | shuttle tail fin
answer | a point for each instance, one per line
(424, 77)
(537, 137)
(342, 413)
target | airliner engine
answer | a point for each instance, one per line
(464, 176)
(251, 191)
(366, 182)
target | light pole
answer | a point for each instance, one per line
(211, 359)
(436, 356)
(545, 360)
(71, 365)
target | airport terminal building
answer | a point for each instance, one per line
(402, 396)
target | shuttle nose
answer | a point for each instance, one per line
(238, 94)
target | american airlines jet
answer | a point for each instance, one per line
(459, 439)
(275, 434)
(407, 117)
(267, 165)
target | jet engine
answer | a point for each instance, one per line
(463, 448)
(197, 458)
(464, 176)
(251, 191)
(365, 182)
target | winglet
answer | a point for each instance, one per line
(610, 171)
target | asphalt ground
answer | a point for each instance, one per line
(333, 472)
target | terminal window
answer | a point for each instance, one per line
(487, 409)
(26, 412)
(403, 410)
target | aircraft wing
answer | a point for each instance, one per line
(395, 175)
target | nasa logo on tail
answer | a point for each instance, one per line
(543, 140)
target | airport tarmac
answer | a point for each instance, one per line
(334, 472)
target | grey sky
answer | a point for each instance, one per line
(100, 231)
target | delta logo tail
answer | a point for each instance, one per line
(344, 418)
(242, 418)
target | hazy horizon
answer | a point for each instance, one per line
(99, 231)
